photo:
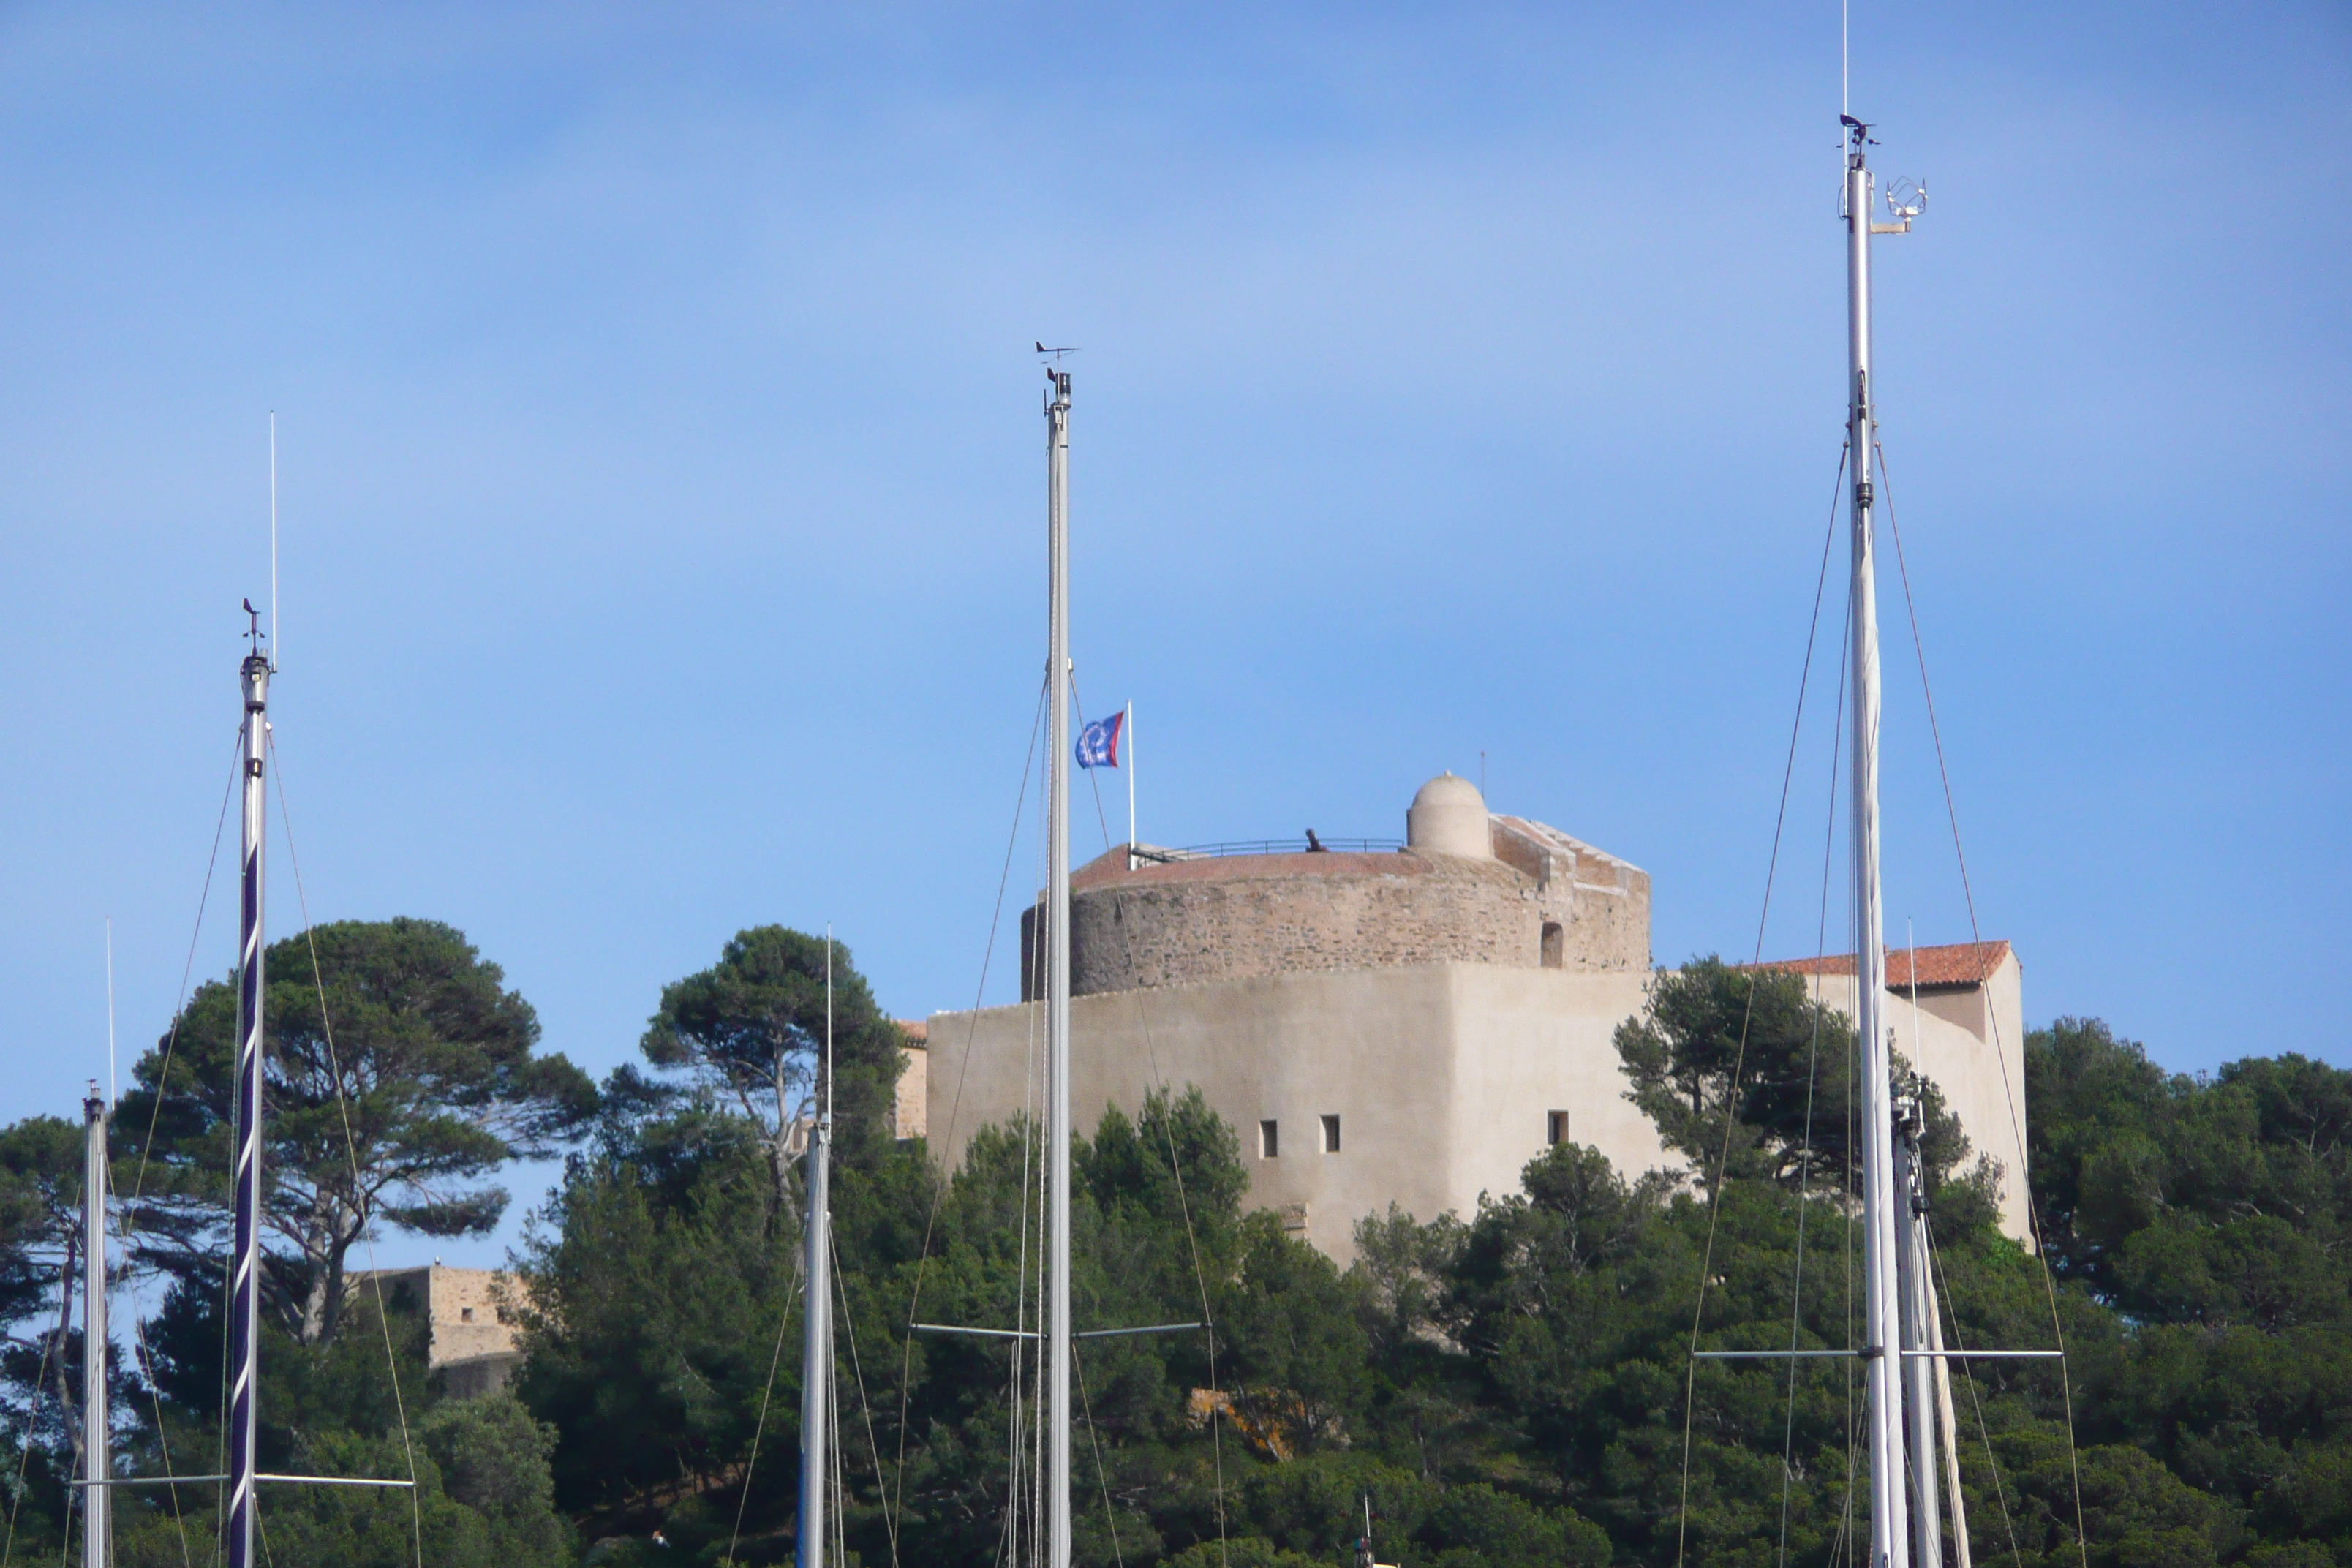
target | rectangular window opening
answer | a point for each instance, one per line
(1269, 1140)
(1330, 1135)
(1556, 1127)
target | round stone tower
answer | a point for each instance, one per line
(1466, 888)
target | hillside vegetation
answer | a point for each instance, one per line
(1509, 1387)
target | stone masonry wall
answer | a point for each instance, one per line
(1600, 902)
(1231, 917)
(1278, 914)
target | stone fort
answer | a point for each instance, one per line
(1407, 1023)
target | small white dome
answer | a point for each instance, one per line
(1449, 817)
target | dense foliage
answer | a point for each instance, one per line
(401, 1075)
(1509, 1387)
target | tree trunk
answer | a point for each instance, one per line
(314, 1308)
(337, 1256)
(784, 1214)
(314, 1293)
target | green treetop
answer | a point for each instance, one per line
(399, 1076)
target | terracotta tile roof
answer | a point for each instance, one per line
(1961, 964)
(917, 1030)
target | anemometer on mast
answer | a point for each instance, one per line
(1906, 198)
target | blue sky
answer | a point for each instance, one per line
(662, 484)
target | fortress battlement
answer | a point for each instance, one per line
(1532, 898)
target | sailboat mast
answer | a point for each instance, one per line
(1912, 1264)
(245, 1280)
(1057, 978)
(1890, 1545)
(816, 1348)
(97, 1510)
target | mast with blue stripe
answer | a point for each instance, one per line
(245, 1279)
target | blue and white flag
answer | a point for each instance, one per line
(1098, 742)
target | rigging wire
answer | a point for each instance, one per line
(126, 1222)
(1968, 1373)
(1026, 1376)
(163, 1438)
(145, 1356)
(1854, 1413)
(1812, 1061)
(1739, 1056)
(1094, 1440)
(759, 1427)
(836, 1462)
(350, 1146)
(896, 1504)
(857, 1372)
(1028, 1369)
(1141, 1001)
(188, 969)
(1192, 1244)
(1025, 1369)
(1976, 939)
(24, 1453)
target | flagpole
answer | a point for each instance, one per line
(1128, 735)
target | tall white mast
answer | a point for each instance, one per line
(245, 1280)
(97, 1510)
(1058, 976)
(1890, 1545)
(816, 1349)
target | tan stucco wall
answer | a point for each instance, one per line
(911, 1102)
(1441, 1074)
(1533, 1042)
(1971, 1042)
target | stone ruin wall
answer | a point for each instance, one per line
(1601, 903)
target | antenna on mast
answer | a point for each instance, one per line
(828, 1020)
(112, 1090)
(273, 541)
